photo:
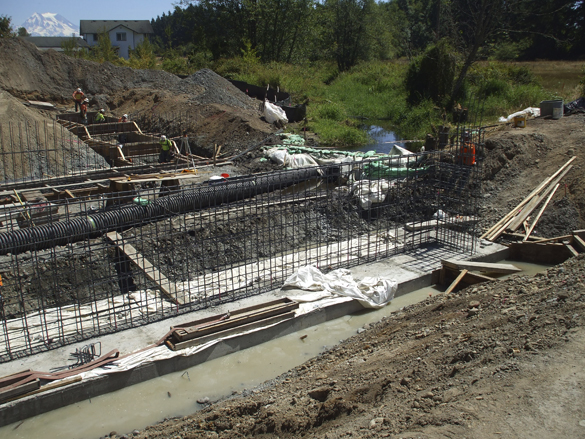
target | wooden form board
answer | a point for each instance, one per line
(165, 285)
(538, 253)
(7, 395)
(481, 266)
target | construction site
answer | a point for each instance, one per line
(102, 247)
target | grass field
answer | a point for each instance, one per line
(559, 77)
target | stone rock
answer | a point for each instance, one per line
(320, 394)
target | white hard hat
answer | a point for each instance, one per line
(86, 100)
(163, 137)
(78, 89)
(101, 110)
(126, 116)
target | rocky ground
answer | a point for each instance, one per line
(497, 360)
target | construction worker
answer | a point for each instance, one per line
(83, 110)
(78, 97)
(124, 118)
(99, 117)
(165, 149)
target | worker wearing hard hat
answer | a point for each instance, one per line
(165, 149)
(78, 97)
(124, 118)
(99, 117)
(83, 110)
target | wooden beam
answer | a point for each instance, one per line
(481, 266)
(165, 285)
(540, 212)
(510, 216)
(579, 243)
(572, 250)
(456, 282)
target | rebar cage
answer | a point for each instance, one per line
(103, 261)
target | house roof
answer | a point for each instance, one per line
(54, 42)
(97, 26)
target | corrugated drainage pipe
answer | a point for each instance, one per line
(93, 226)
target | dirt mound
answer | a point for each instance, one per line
(454, 366)
(517, 160)
(204, 104)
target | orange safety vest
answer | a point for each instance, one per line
(78, 95)
(467, 156)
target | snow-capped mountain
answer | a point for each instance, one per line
(49, 24)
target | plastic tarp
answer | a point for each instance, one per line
(274, 113)
(370, 191)
(370, 292)
(528, 112)
(283, 157)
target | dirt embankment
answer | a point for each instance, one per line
(502, 359)
(205, 105)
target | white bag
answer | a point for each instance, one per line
(272, 113)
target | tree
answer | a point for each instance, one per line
(345, 30)
(104, 50)
(476, 22)
(5, 27)
(22, 32)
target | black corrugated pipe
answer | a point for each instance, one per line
(92, 226)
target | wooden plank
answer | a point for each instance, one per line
(579, 243)
(540, 212)
(10, 394)
(481, 266)
(572, 250)
(538, 253)
(165, 285)
(555, 239)
(456, 282)
(510, 216)
(535, 202)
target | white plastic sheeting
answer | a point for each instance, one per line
(370, 292)
(284, 158)
(528, 112)
(274, 113)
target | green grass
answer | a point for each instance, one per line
(337, 102)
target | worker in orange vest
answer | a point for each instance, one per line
(78, 97)
(467, 151)
(83, 110)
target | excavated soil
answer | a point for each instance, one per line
(503, 359)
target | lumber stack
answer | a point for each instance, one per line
(519, 216)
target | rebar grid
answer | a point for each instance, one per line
(77, 267)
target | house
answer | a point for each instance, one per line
(56, 43)
(124, 34)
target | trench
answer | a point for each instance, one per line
(176, 394)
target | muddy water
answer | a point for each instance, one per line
(176, 394)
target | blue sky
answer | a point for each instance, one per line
(21, 10)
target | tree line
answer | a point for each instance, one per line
(350, 31)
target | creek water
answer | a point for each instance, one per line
(383, 137)
(176, 394)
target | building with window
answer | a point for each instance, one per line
(124, 34)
